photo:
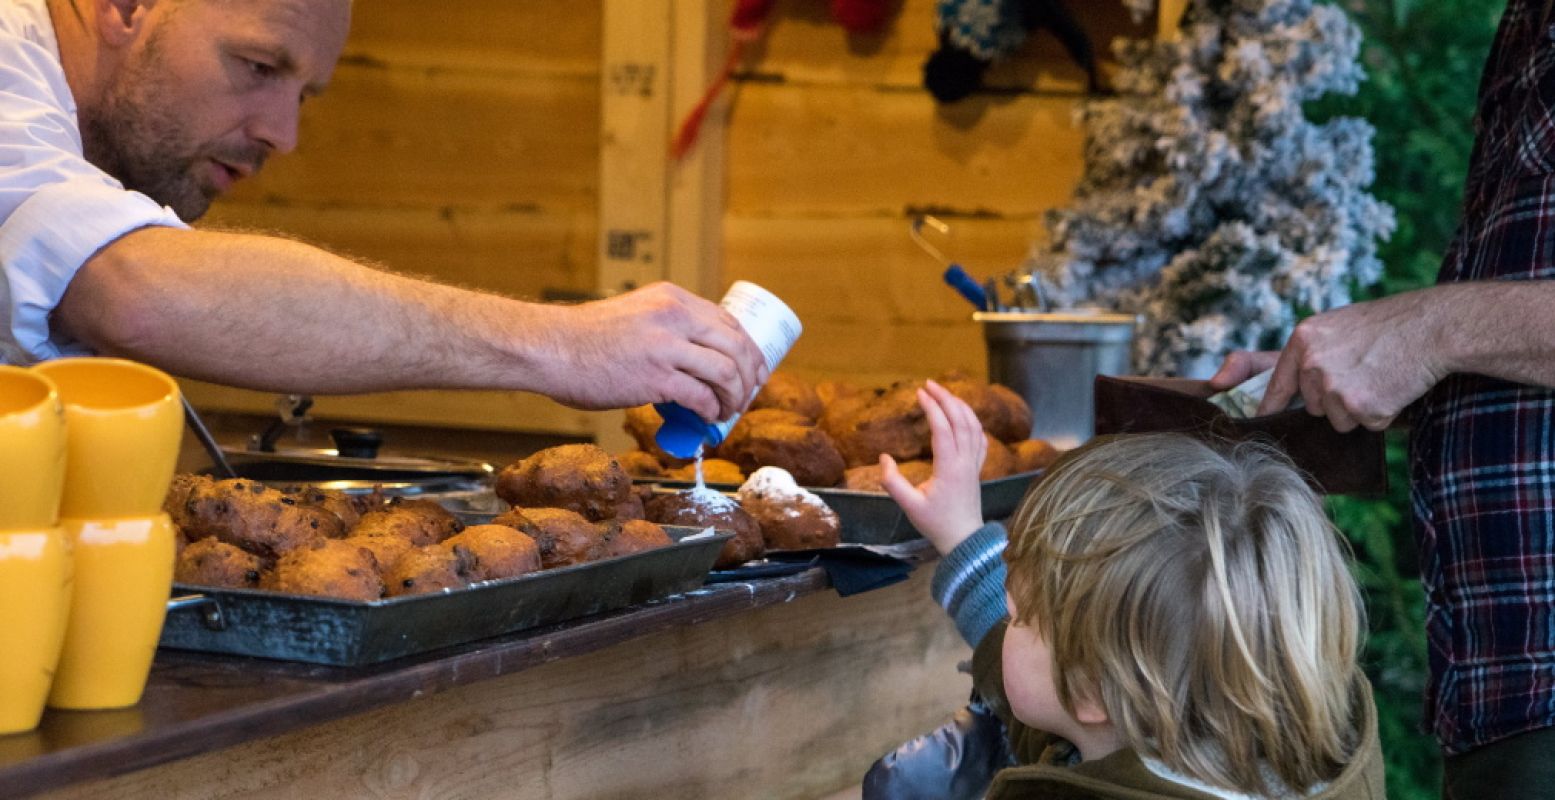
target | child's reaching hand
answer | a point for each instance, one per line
(948, 507)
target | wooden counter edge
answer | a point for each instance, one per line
(314, 695)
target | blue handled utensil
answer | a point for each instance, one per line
(955, 276)
(966, 286)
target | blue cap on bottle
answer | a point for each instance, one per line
(683, 432)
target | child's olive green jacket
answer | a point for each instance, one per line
(1121, 775)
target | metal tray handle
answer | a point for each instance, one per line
(209, 608)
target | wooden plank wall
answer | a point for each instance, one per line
(834, 145)
(460, 143)
(464, 145)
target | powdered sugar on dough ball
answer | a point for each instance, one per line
(777, 485)
(790, 517)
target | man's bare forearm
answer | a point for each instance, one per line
(271, 314)
(1503, 329)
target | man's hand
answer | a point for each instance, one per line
(659, 343)
(1241, 365)
(1360, 364)
(948, 507)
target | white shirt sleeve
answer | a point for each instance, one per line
(56, 209)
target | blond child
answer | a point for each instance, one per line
(1169, 619)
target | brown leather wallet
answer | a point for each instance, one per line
(1335, 463)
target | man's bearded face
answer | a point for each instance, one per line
(140, 137)
(208, 93)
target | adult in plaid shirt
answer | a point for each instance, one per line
(1473, 358)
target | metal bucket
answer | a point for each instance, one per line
(1052, 359)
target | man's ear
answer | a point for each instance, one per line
(120, 22)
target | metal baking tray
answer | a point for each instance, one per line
(874, 518)
(350, 633)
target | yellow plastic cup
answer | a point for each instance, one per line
(34, 603)
(125, 423)
(123, 575)
(34, 559)
(32, 450)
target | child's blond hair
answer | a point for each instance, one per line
(1200, 594)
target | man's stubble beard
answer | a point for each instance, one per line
(135, 138)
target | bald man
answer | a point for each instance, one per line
(122, 120)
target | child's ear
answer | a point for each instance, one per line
(1088, 711)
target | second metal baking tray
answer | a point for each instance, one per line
(323, 630)
(874, 518)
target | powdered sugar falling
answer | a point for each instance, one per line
(709, 500)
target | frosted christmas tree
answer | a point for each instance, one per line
(1210, 204)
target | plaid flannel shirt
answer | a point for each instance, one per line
(1482, 457)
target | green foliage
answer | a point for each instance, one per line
(1395, 657)
(1424, 58)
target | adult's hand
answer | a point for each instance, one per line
(1360, 364)
(659, 343)
(1241, 365)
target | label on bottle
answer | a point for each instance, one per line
(769, 321)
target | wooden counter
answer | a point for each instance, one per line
(773, 688)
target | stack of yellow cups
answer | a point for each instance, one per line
(124, 423)
(34, 558)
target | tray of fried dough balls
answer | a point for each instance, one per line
(829, 437)
(326, 578)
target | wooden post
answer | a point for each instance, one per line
(696, 190)
(658, 220)
(634, 139)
